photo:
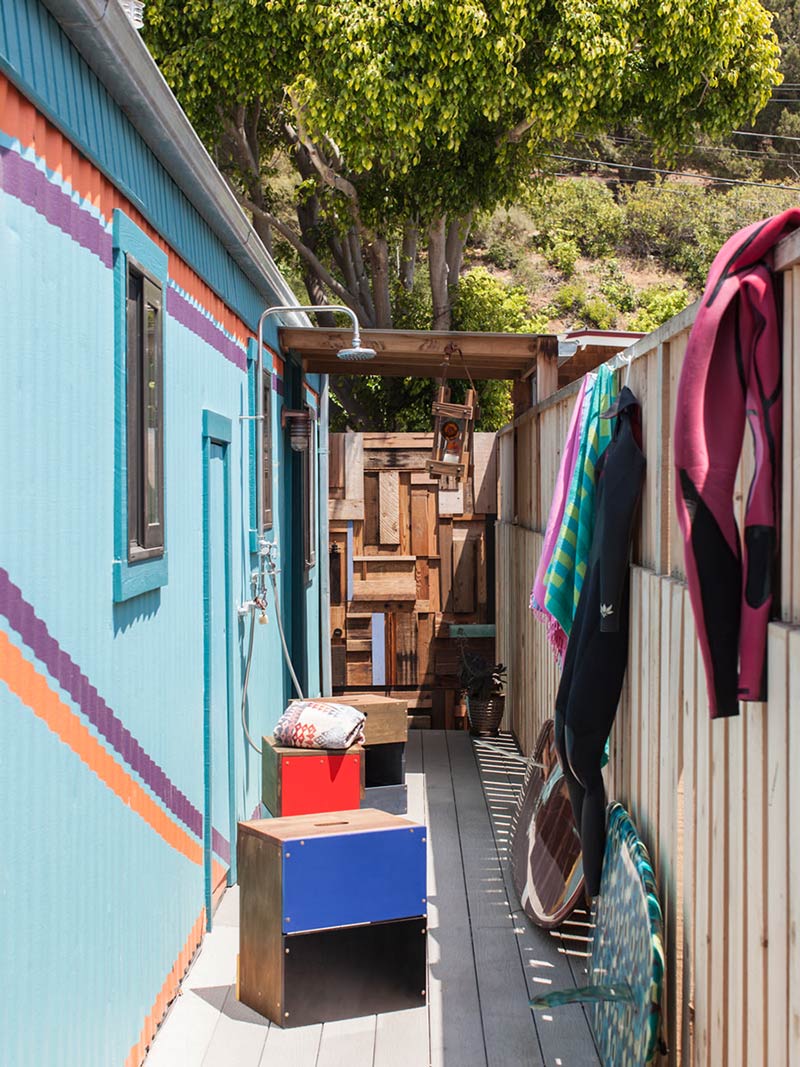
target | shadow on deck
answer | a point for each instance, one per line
(484, 957)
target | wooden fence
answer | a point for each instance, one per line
(712, 800)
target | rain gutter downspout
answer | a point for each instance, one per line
(323, 554)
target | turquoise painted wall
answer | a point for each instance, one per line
(97, 905)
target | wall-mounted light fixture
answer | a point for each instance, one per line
(298, 423)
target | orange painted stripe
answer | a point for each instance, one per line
(20, 119)
(167, 995)
(34, 691)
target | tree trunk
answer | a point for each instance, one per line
(364, 291)
(408, 255)
(457, 234)
(261, 226)
(358, 418)
(379, 262)
(437, 262)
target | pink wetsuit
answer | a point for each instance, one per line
(731, 375)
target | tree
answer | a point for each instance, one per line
(403, 117)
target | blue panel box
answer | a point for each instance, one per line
(345, 868)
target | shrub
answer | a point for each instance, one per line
(684, 226)
(485, 303)
(570, 297)
(503, 253)
(598, 312)
(656, 305)
(562, 253)
(577, 209)
(413, 310)
(616, 288)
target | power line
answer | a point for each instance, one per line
(697, 147)
(676, 173)
(772, 136)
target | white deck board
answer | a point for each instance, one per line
(564, 1036)
(484, 957)
(350, 1041)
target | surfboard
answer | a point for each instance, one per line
(626, 967)
(545, 847)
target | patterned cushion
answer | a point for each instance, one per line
(320, 724)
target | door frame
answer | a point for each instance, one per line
(217, 430)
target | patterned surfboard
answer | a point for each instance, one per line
(545, 847)
(626, 969)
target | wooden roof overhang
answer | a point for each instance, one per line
(422, 353)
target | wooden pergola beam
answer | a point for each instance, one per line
(420, 354)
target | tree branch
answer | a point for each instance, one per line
(302, 249)
(241, 146)
(325, 171)
(515, 134)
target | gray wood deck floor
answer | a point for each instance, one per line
(484, 958)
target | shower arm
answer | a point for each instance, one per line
(260, 393)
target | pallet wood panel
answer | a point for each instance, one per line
(716, 802)
(408, 557)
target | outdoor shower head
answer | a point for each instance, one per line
(356, 352)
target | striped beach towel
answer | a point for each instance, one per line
(569, 458)
(567, 568)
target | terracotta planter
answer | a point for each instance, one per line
(485, 716)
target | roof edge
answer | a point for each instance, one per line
(106, 39)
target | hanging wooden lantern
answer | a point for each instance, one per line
(452, 435)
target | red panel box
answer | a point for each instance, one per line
(304, 781)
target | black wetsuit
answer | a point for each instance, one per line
(597, 653)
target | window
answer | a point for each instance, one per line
(267, 479)
(140, 289)
(310, 494)
(266, 487)
(145, 415)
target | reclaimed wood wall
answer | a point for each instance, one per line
(411, 563)
(717, 803)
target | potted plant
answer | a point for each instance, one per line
(484, 686)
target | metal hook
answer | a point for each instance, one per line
(627, 361)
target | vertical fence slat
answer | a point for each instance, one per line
(735, 976)
(755, 824)
(793, 849)
(702, 931)
(719, 894)
(777, 843)
(688, 842)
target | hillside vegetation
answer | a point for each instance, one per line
(579, 254)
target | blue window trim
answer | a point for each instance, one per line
(131, 579)
(252, 352)
(217, 429)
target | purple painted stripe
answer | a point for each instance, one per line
(36, 636)
(277, 384)
(21, 178)
(193, 319)
(221, 846)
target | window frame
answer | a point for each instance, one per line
(267, 518)
(146, 568)
(309, 479)
(269, 409)
(145, 540)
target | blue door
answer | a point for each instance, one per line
(218, 682)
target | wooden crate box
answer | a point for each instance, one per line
(302, 781)
(312, 873)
